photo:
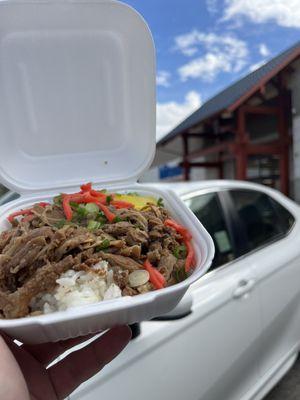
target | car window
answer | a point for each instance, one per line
(208, 210)
(7, 197)
(262, 217)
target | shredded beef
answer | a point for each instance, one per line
(44, 280)
(119, 228)
(38, 248)
(136, 236)
(120, 277)
(135, 217)
(120, 261)
(166, 265)
(132, 251)
(128, 291)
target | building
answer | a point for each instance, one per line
(249, 131)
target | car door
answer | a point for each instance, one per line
(273, 253)
(212, 353)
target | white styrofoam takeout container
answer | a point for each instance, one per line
(77, 104)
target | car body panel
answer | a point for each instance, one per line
(188, 358)
(278, 285)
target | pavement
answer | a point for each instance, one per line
(289, 387)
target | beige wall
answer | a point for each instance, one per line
(294, 85)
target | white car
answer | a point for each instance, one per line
(237, 330)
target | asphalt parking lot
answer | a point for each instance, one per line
(289, 387)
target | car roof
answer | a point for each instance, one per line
(182, 188)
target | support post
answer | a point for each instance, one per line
(241, 164)
(241, 143)
(284, 172)
(186, 164)
(284, 109)
(221, 171)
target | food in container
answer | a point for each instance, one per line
(78, 105)
(44, 325)
(86, 247)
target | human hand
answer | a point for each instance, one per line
(23, 369)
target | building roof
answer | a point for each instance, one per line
(231, 97)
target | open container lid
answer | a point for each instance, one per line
(77, 84)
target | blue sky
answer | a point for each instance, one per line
(204, 45)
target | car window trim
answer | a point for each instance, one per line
(199, 192)
(238, 233)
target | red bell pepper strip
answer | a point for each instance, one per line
(121, 204)
(66, 206)
(109, 215)
(12, 216)
(178, 228)
(84, 198)
(43, 204)
(102, 197)
(106, 211)
(190, 258)
(88, 195)
(27, 211)
(78, 197)
(28, 218)
(156, 278)
(89, 198)
(98, 195)
(86, 187)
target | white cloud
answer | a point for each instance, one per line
(163, 78)
(257, 65)
(221, 53)
(189, 51)
(212, 6)
(283, 12)
(206, 67)
(187, 43)
(171, 113)
(264, 50)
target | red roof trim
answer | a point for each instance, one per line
(264, 80)
(166, 140)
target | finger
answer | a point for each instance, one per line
(12, 382)
(47, 352)
(82, 364)
(35, 375)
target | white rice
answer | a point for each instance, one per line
(78, 288)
